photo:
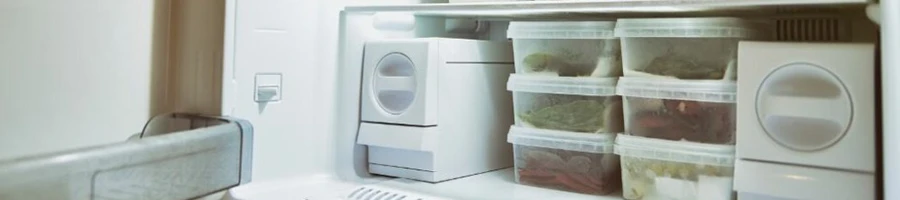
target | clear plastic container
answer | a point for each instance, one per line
(565, 161)
(566, 48)
(698, 111)
(674, 170)
(575, 104)
(684, 48)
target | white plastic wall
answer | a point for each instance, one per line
(76, 73)
(281, 36)
(299, 39)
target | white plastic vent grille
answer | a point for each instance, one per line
(379, 193)
(807, 10)
(817, 29)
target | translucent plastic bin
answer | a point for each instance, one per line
(684, 48)
(566, 48)
(698, 111)
(565, 161)
(575, 104)
(674, 170)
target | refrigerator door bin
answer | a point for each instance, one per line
(178, 156)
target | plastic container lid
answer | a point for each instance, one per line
(584, 86)
(562, 30)
(569, 141)
(674, 151)
(717, 27)
(689, 90)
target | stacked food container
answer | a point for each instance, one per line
(679, 95)
(567, 113)
(679, 138)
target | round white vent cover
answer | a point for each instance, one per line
(394, 83)
(804, 107)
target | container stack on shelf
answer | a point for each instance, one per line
(679, 103)
(566, 111)
(676, 99)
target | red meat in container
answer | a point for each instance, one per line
(591, 173)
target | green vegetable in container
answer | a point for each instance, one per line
(577, 116)
(545, 62)
(539, 62)
(683, 68)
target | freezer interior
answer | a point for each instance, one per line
(281, 84)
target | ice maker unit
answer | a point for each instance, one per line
(435, 109)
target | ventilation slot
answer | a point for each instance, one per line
(811, 29)
(807, 10)
(376, 193)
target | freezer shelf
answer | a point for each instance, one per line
(612, 8)
(499, 184)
